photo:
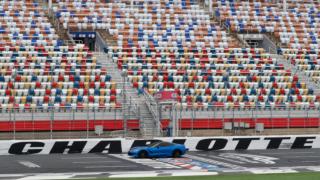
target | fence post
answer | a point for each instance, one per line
(223, 122)
(318, 118)
(289, 119)
(94, 116)
(72, 122)
(177, 121)
(32, 118)
(235, 131)
(14, 123)
(304, 125)
(87, 136)
(192, 120)
(271, 119)
(180, 117)
(51, 122)
(254, 120)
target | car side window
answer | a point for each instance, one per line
(164, 144)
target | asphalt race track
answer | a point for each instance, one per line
(25, 167)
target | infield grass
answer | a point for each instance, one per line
(290, 176)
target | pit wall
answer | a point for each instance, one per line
(121, 145)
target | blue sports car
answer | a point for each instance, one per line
(158, 150)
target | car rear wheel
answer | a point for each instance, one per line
(176, 154)
(143, 154)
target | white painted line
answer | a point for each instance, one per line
(94, 162)
(159, 174)
(133, 175)
(29, 164)
(73, 158)
(194, 173)
(287, 152)
(11, 175)
(91, 167)
(271, 171)
(46, 177)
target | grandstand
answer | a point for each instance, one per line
(94, 62)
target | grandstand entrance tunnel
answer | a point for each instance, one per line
(87, 38)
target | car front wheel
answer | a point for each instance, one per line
(143, 154)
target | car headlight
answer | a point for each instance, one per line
(133, 150)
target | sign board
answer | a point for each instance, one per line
(165, 96)
(121, 145)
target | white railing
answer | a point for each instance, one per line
(154, 110)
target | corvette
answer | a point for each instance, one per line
(158, 150)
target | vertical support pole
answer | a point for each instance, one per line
(192, 123)
(271, 119)
(73, 119)
(255, 121)
(32, 117)
(124, 107)
(173, 122)
(318, 118)
(306, 120)
(10, 118)
(223, 122)
(158, 122)
(87, 125)
(177, 122)
(14, 124)
(233, 123)
(51, 123)
(289, 119)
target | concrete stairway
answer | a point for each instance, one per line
(107, 37)
(139, 104)
(302, 76)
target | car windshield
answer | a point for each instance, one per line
(155, 144)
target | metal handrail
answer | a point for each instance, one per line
(149, 100)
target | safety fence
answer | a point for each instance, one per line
(115, 122)
(245, 121)
(67, 123)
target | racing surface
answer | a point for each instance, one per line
(59, 166)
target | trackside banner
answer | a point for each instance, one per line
(120, 145)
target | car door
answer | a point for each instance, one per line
(165, 149)
(154, 151)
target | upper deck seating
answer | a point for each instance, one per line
(173, 45)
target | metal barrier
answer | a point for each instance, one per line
(93, 123)
(67, 123)
(242, 121)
